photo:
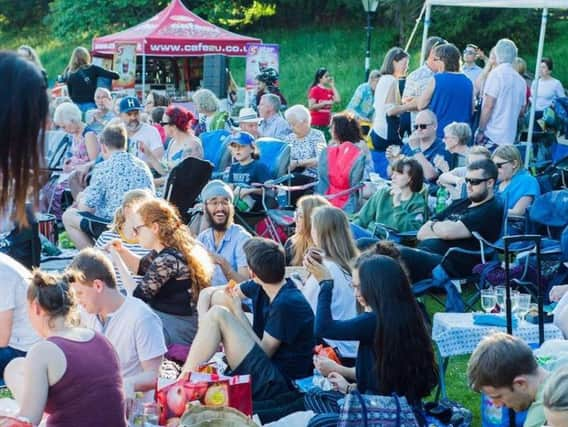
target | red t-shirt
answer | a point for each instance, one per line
(322, 116)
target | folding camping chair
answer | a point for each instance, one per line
(216, 149)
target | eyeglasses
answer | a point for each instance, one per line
(501, 164)
(475, 181)
(223, 203)
(422, 126)
(469, 52)
(137, 228)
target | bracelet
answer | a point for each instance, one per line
(432, 226)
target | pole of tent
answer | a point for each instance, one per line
(143, 68)
(425, 31)
(543, 21)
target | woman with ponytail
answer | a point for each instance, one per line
(73, 375)
(173, 273)
(177, 122)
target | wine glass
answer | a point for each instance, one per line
(514, 301)
(523, 305)
(488, 300)
(500, 294)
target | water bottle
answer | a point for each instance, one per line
(282, 198)
(441, 199)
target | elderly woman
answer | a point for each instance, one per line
(80, 157)
(516, 186)
(210, 117)
(456, 139)
(306, 144)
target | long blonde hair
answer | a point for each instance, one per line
(174, 234)
(79, 58)
(331, 226)
(302, 241)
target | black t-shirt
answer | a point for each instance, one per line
(288, 318)
(82, 83)
(486, 219)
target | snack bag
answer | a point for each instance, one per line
(328, 352)
(13, 422)
(204, 389)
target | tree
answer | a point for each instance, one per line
(23, 13)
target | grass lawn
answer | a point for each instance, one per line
(456, 374)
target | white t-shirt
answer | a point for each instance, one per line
(150, 136)
(509, 90)
(548, 91)
(343, 303)
(381, 92)
(13, 289)
(135, 332)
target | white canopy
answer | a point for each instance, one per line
(517, 4)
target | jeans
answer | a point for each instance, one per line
(6, 355)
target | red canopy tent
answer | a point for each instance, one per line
(176, 31)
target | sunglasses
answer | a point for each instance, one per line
(165, 123)
(422, 126)
(476, 181)
(501, 164)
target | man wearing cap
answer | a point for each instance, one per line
(272, 125)
(248, 121)
(142, 137)
(469, 67)
(224, 240)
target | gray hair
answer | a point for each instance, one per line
(374, 74)
(205, 100)
(505, 51)
(461, 131)
(297, 114)
(431, 116)
(555, 395)
(67, 113)
(105, 91)
(273, 100)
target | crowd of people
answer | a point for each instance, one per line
(143, 282)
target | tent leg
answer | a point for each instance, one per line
(535, 93)
(425, 33)
(143, 70)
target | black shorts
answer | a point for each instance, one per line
(267, 380)
(93, 225)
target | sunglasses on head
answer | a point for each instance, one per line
(421, 126)
(476, 181)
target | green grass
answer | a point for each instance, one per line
(456, 374)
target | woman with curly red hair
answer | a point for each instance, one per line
(173, 273)
(178, 122)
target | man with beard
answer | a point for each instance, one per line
(224, 240)
(142, 137)
(481, 212)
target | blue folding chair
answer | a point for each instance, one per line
(216, 149)
(275, 154)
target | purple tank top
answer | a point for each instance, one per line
(90, 392)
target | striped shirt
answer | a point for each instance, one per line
(108, 236)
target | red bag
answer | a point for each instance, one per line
(206, 389)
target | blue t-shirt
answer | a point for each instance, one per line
(437, 148)
(452, 100)
(254, 172)
(288, 318)
(522, 184)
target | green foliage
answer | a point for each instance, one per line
(70, 19)
(22, 13)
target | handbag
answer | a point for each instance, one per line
(365, 410)
(393, 135)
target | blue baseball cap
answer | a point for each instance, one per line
(128, 104)
(241, 138)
